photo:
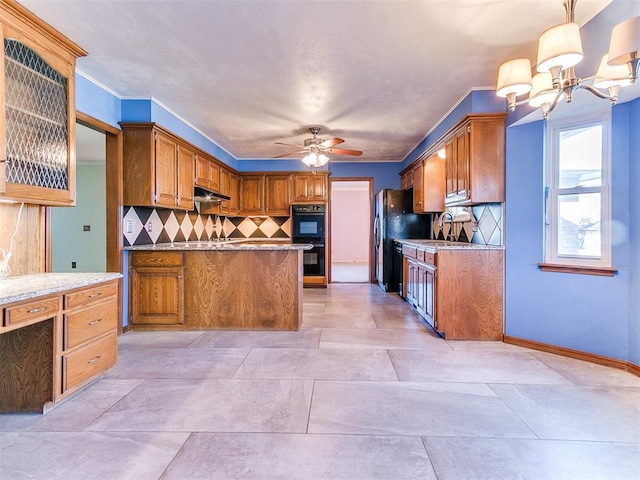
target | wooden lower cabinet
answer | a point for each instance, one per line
(157, 289)
(458, 291)
(55, 345)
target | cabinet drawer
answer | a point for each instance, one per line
(88, 295)
(88, 361)
(84, 325)
(32, 311)
(408, 251)
(429, 257)
(156, 259)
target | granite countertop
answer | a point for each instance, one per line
(231, 245)
(25, 287)
(435, 245)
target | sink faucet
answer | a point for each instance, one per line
(441, 219)
(450, 236)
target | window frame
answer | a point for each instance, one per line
(553, 192)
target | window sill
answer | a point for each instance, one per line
(581, 270)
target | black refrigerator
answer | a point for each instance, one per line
(394, 218)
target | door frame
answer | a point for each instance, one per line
(369, 180)
(114, 199)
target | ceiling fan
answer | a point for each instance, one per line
(316, 149)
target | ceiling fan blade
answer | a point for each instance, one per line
(331, 142)
(288, 144)
(290, 153)
(344, 151)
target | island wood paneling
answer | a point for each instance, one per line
(28, 244)
(243, 290)
(470, 294)
(26, 368)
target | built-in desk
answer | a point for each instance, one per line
(57, 333)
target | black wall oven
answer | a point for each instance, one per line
(308, 226)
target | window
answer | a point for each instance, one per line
(577, 192)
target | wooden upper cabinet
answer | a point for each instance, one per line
(166, 183)
(207, 173)
(234, 193)
(418, 193)
(201, 177)
(252, 194)
(406, 179)
(184, 180)
(278, 194)
(475, 160)
(308, 187)
(229, 187)
(158, 168)
(433, 184)
(214, 176)
(37, 101)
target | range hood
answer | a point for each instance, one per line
(205, 196)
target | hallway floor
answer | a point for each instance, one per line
(363, 391)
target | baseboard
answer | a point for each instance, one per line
(577, 354)
(633, 368)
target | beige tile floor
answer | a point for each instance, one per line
(363, 391)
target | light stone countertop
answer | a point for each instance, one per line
(25, 287)
(230, 245)
(435, 245)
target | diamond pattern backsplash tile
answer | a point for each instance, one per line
(485, 226)
(177, 226)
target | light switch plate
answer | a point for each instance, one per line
(129, 227)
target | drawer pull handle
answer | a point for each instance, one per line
(94, 295)
(94, 360)
(95, 321)
(36, 310)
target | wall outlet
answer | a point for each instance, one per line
(73, 264)
(129, 227)
(149, 226)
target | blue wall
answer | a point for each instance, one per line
(634, 230)
(96, 101)
(582, 312)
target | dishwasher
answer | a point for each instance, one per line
(397, 266)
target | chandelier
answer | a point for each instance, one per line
(559, 50)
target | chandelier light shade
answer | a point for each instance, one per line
(560, 47)
(625, 42)
(514, 77)
(542, 90)
(559, 51)
(611, 75)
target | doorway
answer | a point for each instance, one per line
(79, 234)
(350, 226)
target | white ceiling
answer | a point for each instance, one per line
(377, 73)
(91, 146)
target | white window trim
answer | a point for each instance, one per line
(551, 190)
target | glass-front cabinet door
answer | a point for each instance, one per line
(37, 111)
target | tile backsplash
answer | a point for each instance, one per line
(485, 226)
(147, 226)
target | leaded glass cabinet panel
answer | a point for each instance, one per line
(37, 111)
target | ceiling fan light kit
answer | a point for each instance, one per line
(315, 149)
(559, 51)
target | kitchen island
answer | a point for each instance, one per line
(236, 285)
